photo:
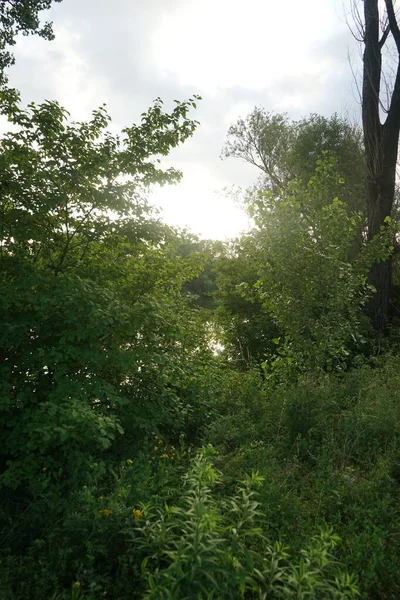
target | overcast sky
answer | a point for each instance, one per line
(287, 56)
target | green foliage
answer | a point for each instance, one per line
(316, 135)
(20, 18)
(60, 179)
(200, 290)
(328, 447)
(86, 299)
(126, 345)
(243, 326)
(89, 537)
(100, 348)
(203, 548)
(285, 150)
(309, 281)
(263, 140)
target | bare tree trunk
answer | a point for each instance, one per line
(381, 147)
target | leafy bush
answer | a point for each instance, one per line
(209, 548)
(329, 449)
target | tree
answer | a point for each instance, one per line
(285, 150)
(91, 304)
(316, 135)
(263, 140)
(20, 16)
(100, 347)
(245, 329)
(200, 291)
(293, 294)
(380, 140)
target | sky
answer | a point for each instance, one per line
(291, 56)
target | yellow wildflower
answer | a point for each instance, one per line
(106, 512)
(129, 461)
(137, 513)
(76, 585)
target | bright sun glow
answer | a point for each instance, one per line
(196, 203)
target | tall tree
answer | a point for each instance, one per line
(293, 291)
(381, 140)
(285, 150)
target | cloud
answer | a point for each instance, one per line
(220, 44)
(285, 57)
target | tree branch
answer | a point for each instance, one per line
(384, 37)
(393, 23)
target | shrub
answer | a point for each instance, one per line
(207, 548)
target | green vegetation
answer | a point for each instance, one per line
(190, 419)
